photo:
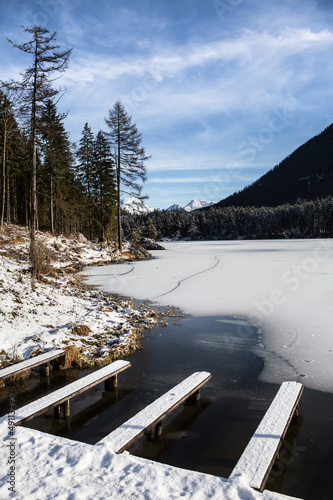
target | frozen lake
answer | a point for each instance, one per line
(283, 286)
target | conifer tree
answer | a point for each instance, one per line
(104, 184)
(57, 155)
(8, 128)
(85, 155)
(129, 156)
(34, 90)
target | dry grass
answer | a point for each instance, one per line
(71, 356)
(81, 330)
(41, 258)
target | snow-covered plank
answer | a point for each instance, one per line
(258, 457)
(122, 437)
(62, 395)
(46, 357)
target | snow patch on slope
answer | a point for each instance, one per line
(133, 205)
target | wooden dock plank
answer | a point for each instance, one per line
(122, 437)
(258, 457)
(30, 363)
(62, 395)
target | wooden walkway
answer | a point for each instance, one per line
(60, 398)
(30, 363)
(152, 416)
(258, 457)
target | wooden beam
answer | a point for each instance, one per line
(151, 416)
(62, 395)
(259, 456)
(28, 364)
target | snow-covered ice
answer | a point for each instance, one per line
(283, 286)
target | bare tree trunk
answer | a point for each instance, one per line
(34, 162)
(14, 202)
(51, 206)
(8, 198)
(118, 192)
(3, 178)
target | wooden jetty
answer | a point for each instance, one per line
(60, 398)
(28, 364)
(152, 416)
(259, 456)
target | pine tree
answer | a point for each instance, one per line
(8, 129)
(151, 229)
(104, 185)
(129, 155)
(85, 155)
(34, 90)
(57, 156)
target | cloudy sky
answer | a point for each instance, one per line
(221, 90)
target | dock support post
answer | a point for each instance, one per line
(56, 412)
(158, 429)
(196, 395)
(47, 370)
(194, 398)
(66, 409)
(149, 434)
(111, 383)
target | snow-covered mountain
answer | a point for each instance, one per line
(173, 208)
(133, 205)
(195, 204)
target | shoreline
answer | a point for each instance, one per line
(60, 309)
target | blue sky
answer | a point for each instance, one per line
(221, 90)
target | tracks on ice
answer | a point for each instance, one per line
(187, 278)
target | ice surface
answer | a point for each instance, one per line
(283, 286)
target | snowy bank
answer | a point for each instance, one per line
(59, 310)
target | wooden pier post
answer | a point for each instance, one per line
(66, 409)
(194, 398)
(158, 429)
(111, 383)
(56, 412)
(46, 371)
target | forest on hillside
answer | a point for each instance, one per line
(305, 219)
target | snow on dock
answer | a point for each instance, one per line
(30, 363)
(258, 457)
(63, 395)
(151, 416)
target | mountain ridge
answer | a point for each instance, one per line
(134, 205)
(307, 173)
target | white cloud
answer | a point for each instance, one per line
(250, 48)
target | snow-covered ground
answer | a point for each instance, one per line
(36, 316)
(50, 467)
(283, 286)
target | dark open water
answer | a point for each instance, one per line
(210, 436)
